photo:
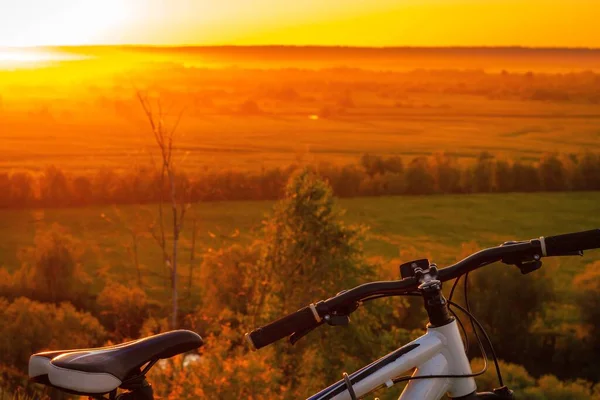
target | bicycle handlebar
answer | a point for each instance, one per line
(313, 315)
(572, 242)
(276, 330)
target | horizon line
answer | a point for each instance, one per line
(303, 46)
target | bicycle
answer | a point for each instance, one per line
(438, 358)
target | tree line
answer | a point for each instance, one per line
(372, 176)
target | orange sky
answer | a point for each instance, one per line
(564, 23)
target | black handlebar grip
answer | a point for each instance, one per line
(572, 242)
(302, 319)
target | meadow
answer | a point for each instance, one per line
(508, 129)
(85, 115)
(400, 229)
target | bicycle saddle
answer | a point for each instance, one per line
(101, 370)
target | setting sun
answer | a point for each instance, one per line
(62, 22)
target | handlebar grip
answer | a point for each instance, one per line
(572, 242)
(302, 319)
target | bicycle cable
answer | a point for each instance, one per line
(494, 356)
(454, 287)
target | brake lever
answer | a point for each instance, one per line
(337, 320)
(340, 317)
(526, 264)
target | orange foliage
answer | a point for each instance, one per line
(29, 327)
(225, 369)
(122, 310)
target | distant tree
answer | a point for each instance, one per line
(54, 187)
(104, 186)
(569, 163)
(394, 165)
(483, 173)
(373, 186)
(552, 173)
(587, 172)
(446, 173)
(372, 165)
(504, 180)
(527, 178)
(271, 183)
(82, 191)
(21, 189)
(346, 180)
(418, 177)
(393, 183)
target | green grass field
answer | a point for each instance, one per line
(402, 228)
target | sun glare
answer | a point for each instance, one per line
(24, 56)
(30, 57)
(64, 22)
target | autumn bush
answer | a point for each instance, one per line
(224, 369)
(526, 387)
(123, 310)
(231, 281)
(29, 326)
(51, 270)
(587, 285)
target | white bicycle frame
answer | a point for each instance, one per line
(439, 352)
